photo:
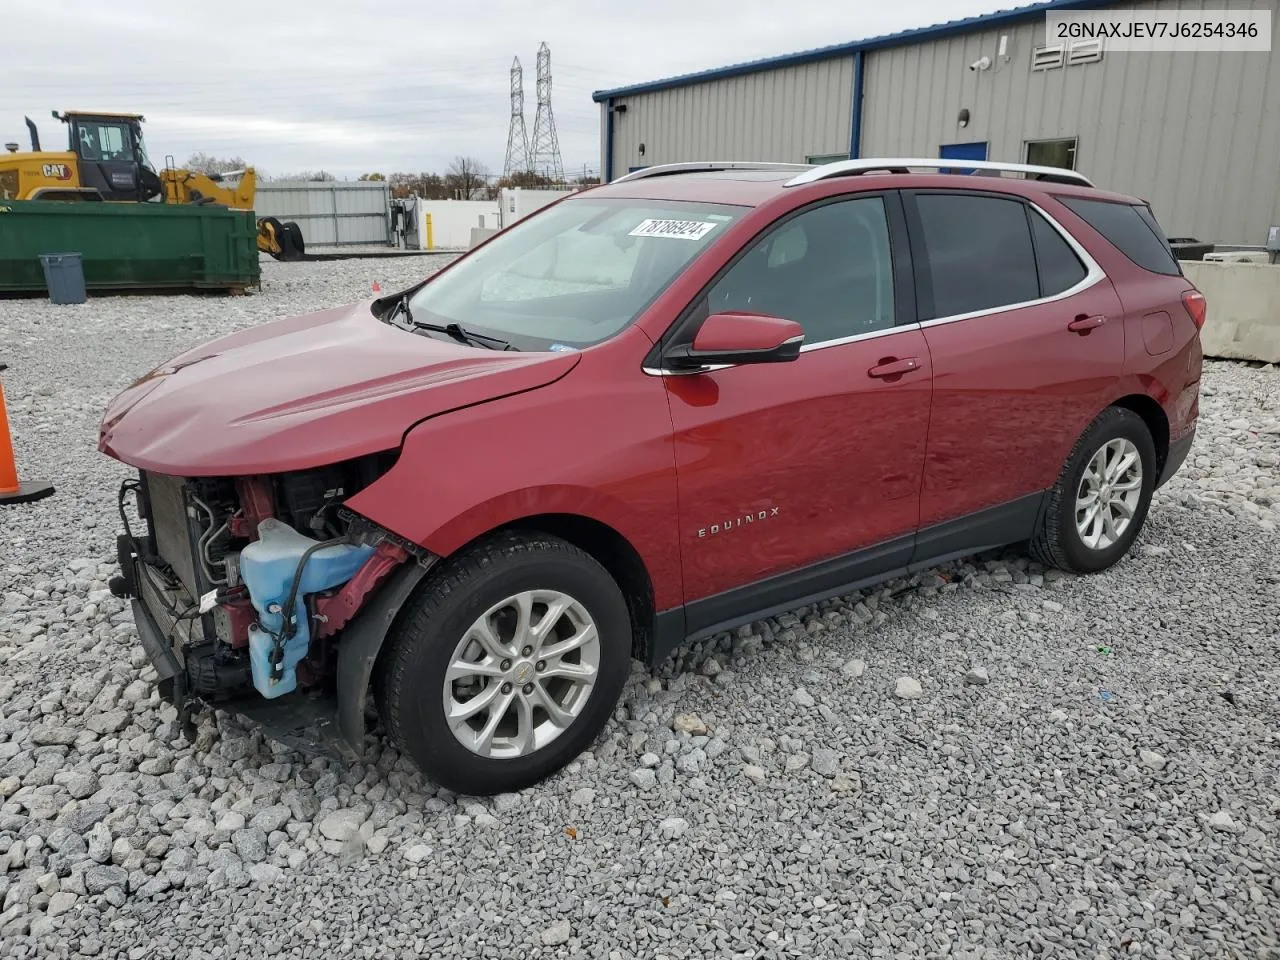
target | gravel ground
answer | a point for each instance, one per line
(990, 761)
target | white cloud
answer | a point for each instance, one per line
(392, 84)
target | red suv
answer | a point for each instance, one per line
(683, 401)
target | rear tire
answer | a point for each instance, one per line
(1097, 507)
(540, 694)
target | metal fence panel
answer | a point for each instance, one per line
(335, 213)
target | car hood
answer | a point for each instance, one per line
(305, 392)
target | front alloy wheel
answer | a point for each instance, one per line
(505, 664)
(521, 675)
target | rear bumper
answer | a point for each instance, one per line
(1178, 451)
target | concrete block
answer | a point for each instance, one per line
(1243, 321)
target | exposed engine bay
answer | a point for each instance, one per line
(251, 580)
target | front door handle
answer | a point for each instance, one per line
(893, 367)
(1084, 323)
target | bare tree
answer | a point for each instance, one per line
(323, 176)
(429, 186)
(466, 177)
(203, 163)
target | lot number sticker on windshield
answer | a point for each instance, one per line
(676, 229)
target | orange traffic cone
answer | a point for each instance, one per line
(11, 490)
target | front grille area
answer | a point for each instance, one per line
(170, 527)
(164, 603)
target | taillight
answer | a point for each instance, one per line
(1193, 300)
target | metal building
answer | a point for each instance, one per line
(1196, 134)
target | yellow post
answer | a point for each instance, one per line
(430, 239)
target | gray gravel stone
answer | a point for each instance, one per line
(341, 824)
(976, 677)
(690, 724)
(854, 668)
(100, 878)
(1149, 758)
(417, 853)
(908, 688)
(974, 823)
(644, 778)
(672, 828)
(556, 934)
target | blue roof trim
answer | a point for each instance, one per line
(915, 35)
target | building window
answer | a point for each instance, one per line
(1052, 153)
(821, 158)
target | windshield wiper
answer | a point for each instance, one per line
(454, 330)
(401, 306)
(462, 335)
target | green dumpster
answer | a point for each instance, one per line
(126, 246)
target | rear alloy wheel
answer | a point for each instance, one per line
(506, 664)
(1109, 493)
(1100, 501)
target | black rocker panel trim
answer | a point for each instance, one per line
(987, 529)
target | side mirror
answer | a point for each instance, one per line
(732, 338)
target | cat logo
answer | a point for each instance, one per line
(56, 171)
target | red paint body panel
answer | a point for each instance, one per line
(1012, 392)
(987, 415)
(597, 446)
(836, 452)
(290, 395)
(744, 331)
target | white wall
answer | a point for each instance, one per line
(517, 202)
(452, 220)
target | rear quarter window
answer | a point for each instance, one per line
(1130, 228)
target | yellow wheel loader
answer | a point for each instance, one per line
(106, 161)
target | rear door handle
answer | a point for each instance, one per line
(894, 368)
(1083, 323)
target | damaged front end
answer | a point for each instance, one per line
(265, 596)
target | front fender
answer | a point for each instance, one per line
(605, 454)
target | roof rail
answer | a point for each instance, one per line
(848, 168)
(665, 169)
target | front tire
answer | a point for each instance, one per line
(1100, 501)
(506, 664)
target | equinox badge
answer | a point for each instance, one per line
(735, 522)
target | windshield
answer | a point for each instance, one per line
(574, 274)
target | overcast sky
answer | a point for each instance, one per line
(389, 84)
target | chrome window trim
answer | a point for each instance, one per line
(806, 348)
(1093, 274)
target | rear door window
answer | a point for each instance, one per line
(1131, 229)
(978, 251)
(1060, 268)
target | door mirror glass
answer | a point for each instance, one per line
(732, 338)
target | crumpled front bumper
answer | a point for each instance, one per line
(306, 722)
(333, 724)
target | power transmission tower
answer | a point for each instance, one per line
(518, 159)
(545, 155)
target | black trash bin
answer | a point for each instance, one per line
(64, 276)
